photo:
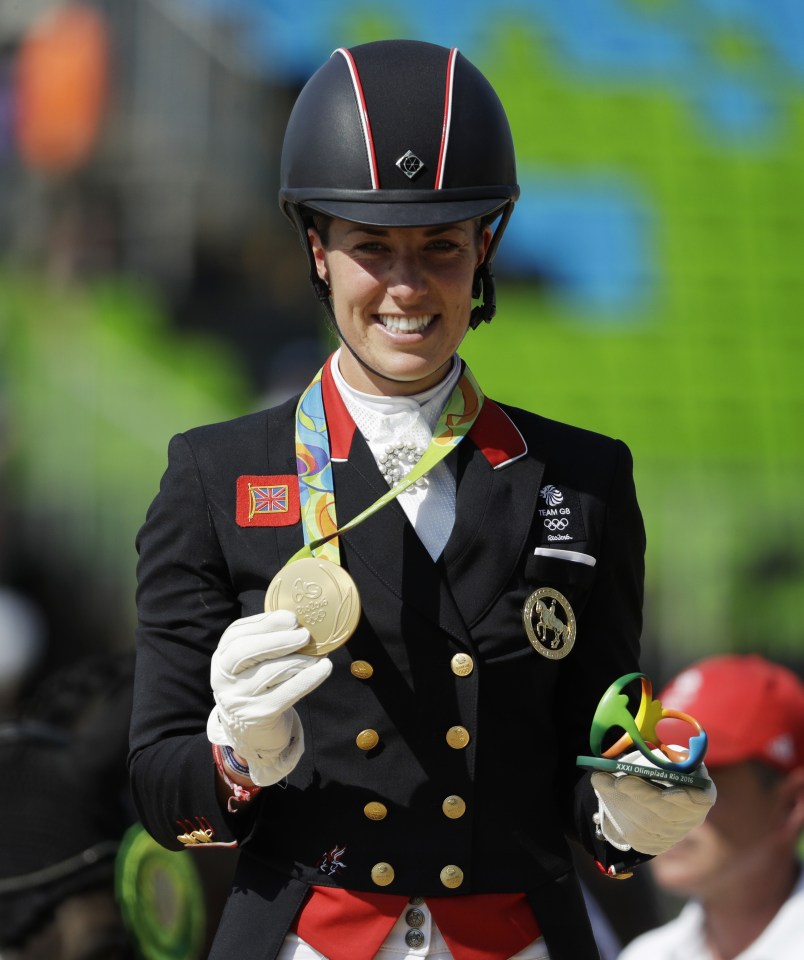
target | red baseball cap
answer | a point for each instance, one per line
(750, 708)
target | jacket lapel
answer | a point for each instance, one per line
(497, 492)
(386, 547)
(498, 488)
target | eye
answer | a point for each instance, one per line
(369, 246)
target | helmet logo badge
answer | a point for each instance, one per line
(410, 164)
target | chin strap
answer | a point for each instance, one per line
(482, 285)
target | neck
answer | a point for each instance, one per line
(734, 919)
(367, 380)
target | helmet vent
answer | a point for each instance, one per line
(410, 164)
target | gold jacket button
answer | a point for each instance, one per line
(361, 669)
(375, 810)
(367, 739)
(451, 876)
(382, 874)
(458, 737)
(462, 664)
(454, 806)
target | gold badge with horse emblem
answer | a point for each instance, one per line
(551, 631)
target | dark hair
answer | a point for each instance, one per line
(321, 223)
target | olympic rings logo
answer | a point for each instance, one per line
(556, 523)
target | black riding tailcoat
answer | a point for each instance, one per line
(527, 716)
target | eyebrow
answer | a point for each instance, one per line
(383, 231)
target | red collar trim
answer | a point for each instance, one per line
(497, 436)
(340, 425)
(494, 433)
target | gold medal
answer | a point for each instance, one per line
(324, 598)
(551, 631)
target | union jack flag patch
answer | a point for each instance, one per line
(268, 501)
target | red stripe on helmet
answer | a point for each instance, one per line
(442, 153)
(364, 118)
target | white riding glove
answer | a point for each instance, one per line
(646, 815)
(256, 677)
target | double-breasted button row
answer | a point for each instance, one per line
(461, 665)
(453, 807)
(457, 737)
(451, 876)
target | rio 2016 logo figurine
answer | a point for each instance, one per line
(670, 764)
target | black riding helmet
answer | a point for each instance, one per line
(399, 133)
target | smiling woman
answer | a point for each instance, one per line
(409, 793)
(400, 134)
(401, 297)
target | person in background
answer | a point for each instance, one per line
(410, 793)
(79, 877)
(65, 807)
(741, 868)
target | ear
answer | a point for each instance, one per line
(319, 254)
(485, 242)
(793, 799)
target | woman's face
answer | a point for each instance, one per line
(402, 298)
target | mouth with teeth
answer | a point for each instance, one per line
(396, 324)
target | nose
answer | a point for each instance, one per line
(407, 279)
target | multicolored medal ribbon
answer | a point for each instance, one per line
(639, 730)
(316, 487)
(312, 583)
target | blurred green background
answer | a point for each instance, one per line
(650, 284)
